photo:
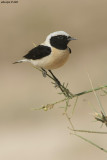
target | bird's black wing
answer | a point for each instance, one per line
(38, 52)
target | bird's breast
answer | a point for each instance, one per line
(56, 59)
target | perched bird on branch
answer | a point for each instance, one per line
(52, 53)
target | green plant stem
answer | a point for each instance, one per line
(80, 94)
(90, 142)
(86, 131)
(63, 89)
(66, 92)
(89, 91)
(68, 95)
(69, 119)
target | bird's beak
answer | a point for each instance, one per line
(71, 38)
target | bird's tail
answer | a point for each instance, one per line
(20, 61)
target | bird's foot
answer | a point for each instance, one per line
(44, 72)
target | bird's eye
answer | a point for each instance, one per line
(60, 37)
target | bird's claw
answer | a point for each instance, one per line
(44, 73)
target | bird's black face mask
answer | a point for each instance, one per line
(60, 41)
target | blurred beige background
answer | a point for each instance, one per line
(28, 134)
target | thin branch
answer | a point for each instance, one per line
(89, 91)
(68, 93)
(69, 119)
(74, 105)
(90, 142)
(86, 131)
(77, 95)
(63, 89)
(99, 102)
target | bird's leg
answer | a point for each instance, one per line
(64, 90)
(44, 72)
(56, 80)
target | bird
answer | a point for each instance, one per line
(52, 53)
